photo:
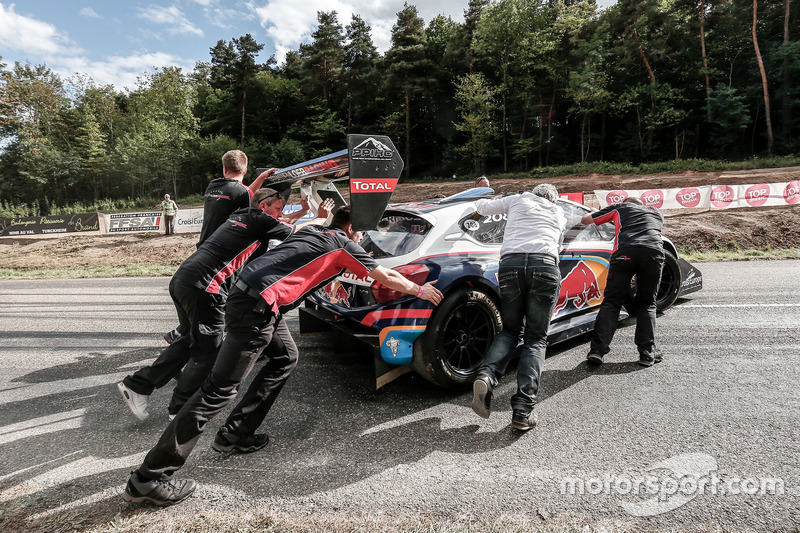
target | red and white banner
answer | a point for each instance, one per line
(710, 196)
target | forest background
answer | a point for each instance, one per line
(520, 87)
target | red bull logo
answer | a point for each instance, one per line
(792, 192)
(616, 197)
(653, 198)
(689, 197)
(582, 286)
(336, 293)
(722, 196)
(757, 195)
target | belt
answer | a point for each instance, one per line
(260, 306)
(536, 257)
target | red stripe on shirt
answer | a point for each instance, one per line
(231, 267)
(294, 285)
(611, 216)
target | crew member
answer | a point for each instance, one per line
(639, 251)
(529, 284)
(199, 289)
(268, 287)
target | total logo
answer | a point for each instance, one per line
(689, 197)
(373, 184)
(757, 195)
(722, 196)
(792, 192)
(616, 197)
(653, 198)
(581, 286)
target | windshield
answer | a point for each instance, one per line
(396, 234)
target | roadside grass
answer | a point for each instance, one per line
(127, 271)
(256, 519)
(739, 255)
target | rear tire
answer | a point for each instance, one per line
(670, 284)
(457, 337)
(668, 287)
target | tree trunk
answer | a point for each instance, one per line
(503, 133)
(408, 134)
(786, 115)
(705, 59)
(244, 100)
(770, 139)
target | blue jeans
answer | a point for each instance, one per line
(529, 286)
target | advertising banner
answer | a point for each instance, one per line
(133, 222)
(710, 196)
(189, 220)
(43, 225)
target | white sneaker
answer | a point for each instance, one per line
(137, 403)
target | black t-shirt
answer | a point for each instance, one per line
(223, 196)
(635, 225)
(304, 262)
(243, 236)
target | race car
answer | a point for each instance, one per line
(441, 239)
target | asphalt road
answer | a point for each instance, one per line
(708, 438)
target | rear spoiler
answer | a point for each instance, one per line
(372, 165)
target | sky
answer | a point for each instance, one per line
(115, 42)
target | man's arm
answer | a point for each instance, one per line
(395, 280)
(260, 179)
(293, 217)
(587, 219)
(323, 211)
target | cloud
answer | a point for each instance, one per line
(119, 71)
(31, 36)
(172, 17)
(289, 23)
(89, 13)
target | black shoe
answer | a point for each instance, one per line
(522, 421)
(226, 441)
(647, 359)
(172, 336)
(161, 493)
(594, 358)
(482, 397)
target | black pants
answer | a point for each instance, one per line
(169, 224)
(646, 264)
(191, 356)
(248, 333)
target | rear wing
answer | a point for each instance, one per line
(371, 164)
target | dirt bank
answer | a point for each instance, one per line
(740, 229)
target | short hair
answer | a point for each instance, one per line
(166, 196)
(263, 194)
(236, 161)
(342, 217)
(480, 179)
(546, 191)
(633, 200)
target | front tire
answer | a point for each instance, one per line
(457, 337)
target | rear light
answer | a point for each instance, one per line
(417, 273)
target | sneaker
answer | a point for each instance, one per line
(137, 403)
(171, 336)
(595, 358)
(482, 397)
(226, 441)
(647, 359)
(522, 421)
(161, 493)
